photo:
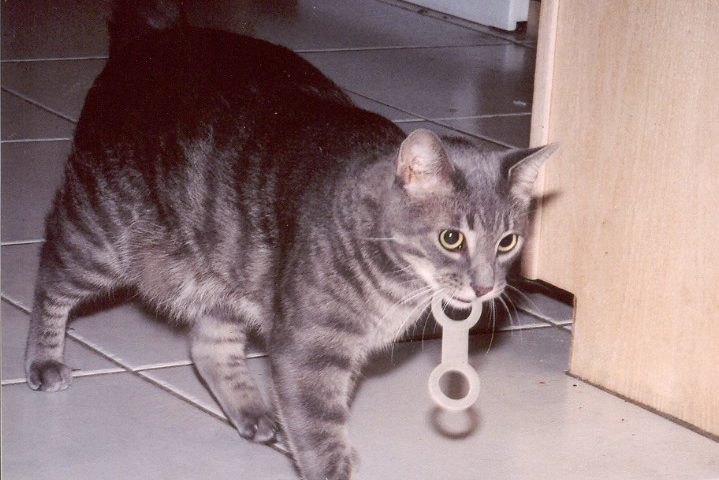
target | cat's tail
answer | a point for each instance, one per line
(133, 19)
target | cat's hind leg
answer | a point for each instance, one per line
(66, 277)
(218, 350)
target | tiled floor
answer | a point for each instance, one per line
(137, 409)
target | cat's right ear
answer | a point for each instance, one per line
(423, 166)
(522, 167)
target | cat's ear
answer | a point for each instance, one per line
(423, 166)
(522, 168)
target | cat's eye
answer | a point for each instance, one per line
(507, 243)
(451, 240)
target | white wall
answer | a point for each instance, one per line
(502, 14)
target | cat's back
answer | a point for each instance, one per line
(194, 77)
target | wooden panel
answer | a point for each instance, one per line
(634, 232)
(544, 69)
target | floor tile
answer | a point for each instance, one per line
(437, 82)
(546, 307)
(186, 382)
(511, 130)
(58, 85)
(78, 28)
(531, 421)
(384, 110)
(331, 24)
(23, 120)
(133, 335)
(48, 29)
(120, 426)
(19, 270)
(31, 173)
(14, 333)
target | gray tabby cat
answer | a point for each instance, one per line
(236, 188)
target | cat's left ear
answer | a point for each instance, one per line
(522, 168)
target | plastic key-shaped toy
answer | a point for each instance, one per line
(455, 344)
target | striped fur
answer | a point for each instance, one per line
(236, 188)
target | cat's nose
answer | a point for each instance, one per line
(480, 290)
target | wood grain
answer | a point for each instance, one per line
(634, 233)
(539, 134)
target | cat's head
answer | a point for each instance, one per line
(459, 214)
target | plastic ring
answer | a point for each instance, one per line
(455, 404)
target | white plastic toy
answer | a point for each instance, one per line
(455, 343)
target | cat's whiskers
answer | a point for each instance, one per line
(422, 304)
(408, 298)
(493, 314)
(507, 305)
(524, 297)
(424, 326)
(427, 290)
(511, 303)
(506, 308)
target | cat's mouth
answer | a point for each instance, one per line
(458, 302)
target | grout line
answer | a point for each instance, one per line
(99, 371)
(126, 369)
(549, 322)
(82, 341)
(169, 388)
(514, 328)
(457, 21)
(13, 381)
(38, 104)
(21, 242)
(467, 117)
(535, 313)
(75, 374)
(161, 365)
(405, 120)
(78, 338)
(28, 140)
(486, 115)
(15, 303)
(426, 119)
(53, 59)
(475, 135)
(395, 47)
(185, 363)
(486, 138)
(409, 120)
(99, 350)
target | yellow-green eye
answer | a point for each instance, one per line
(507, 243)
(451, 240)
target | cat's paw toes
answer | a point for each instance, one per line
(49, 376)
(257, 427)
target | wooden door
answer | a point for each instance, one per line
(631, 91)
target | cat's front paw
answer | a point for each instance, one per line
(255, 425)
(49, 376)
